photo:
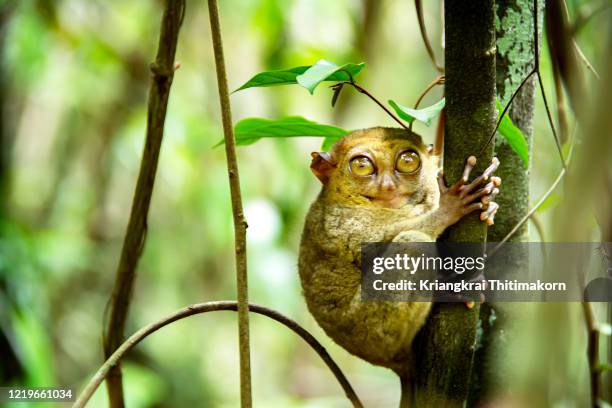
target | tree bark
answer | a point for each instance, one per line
(445, 347)
(514, 61)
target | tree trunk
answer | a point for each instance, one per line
(445, 347)
(515, 59)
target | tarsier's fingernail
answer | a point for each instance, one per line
(492, 167)
(469, 165)
(491, 209)
(496, 180)
(494, 192)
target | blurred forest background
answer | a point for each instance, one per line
(74, 85)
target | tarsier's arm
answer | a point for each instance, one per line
(456, 201)
(467, 194)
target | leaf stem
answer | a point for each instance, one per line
(379, 103)
(438, 80)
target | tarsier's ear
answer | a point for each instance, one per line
(322, 165)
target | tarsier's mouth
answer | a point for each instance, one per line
(389, 201)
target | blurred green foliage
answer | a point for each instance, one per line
(75, 86)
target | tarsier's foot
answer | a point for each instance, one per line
(477, 195)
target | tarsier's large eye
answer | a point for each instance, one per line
(408, 162)
(361, 166)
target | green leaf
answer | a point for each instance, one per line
(328, 142)
(250, 130)
(274, 78)
(290, 76)
(424, 115)
(513, 135)
(327, 71)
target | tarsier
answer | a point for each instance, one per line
(379, 185)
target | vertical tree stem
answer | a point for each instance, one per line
(163, 72)
(517, 35)
(240, 224)
(445, 347)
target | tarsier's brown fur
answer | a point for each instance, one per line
(386, 206)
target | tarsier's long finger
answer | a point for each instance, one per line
(469, 166)
(465, 190)
(460, 184)
(483, 192)
(473, 207)
(489, 213)
(491, 219)
(492, 167)
(489, 198)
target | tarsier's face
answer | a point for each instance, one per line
(378, 167)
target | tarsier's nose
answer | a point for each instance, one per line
(387, 184)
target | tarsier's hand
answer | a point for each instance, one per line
(461, 199)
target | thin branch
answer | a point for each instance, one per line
(504, 111)
(537, 223)
(240, 224)
(561, 107)
(535, 207)
(564, 54)
(419, 10)
(372, 97)
(198, 308)
(540, 229)
(163, 72)
(439, 80)
(592, 352)
(585, 60)
(550, 120)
